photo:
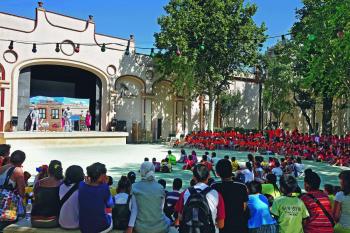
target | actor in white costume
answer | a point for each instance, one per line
(67, 114)
(35, 117)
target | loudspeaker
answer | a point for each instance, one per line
(121, 126)
(14, 120)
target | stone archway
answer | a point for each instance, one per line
(129, 105)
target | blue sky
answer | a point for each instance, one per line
(139, 17)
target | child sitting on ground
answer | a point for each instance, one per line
(234, 164)
(172, 198)
(171, 157)
(121, 210)
(165, 166)
(156, 165)
(94, 198)
(189, 163)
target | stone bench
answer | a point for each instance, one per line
(25, 226)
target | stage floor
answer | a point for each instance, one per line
(76, 138)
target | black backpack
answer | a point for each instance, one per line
(121, 215)
(196, 217)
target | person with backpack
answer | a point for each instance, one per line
(122, 204)
(172, 198)
(235, 197)
(318, 205)
(68, 193)
(200, 208)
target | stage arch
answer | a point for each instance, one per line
(76, 70)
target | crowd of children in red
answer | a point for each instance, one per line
(333, 149)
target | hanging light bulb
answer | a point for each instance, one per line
(34, 50)
(284, 41)
(103, 47)
(201, 47)
(152, 52)
(77, 48)
(311, 37)
(178, 51)
(11, 45)
(57, 48)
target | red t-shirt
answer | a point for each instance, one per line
(318, 221)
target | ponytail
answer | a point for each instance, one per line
(56, 170)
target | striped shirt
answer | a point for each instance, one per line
(318, 221)
(172, 198)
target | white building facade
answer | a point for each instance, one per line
(64, 57)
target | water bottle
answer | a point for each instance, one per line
(28, 209)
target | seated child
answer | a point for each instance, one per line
(172, 198)
(171, 157)
(156, 165)
(122, 205)
(165, 166)
(189, 163)
(183, 156)
(94, 198)
(235, 165)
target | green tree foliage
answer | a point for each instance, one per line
(229, 103)
(322, 36)
(204, 42)
(276, 94)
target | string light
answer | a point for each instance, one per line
(34, 50)
(284, 41)
(311, 37)
(103, 48)
(77, 48)
(11, 45)
(57, 48)
(178, 51)
(201, 47)
(152, 52)
(340, 34)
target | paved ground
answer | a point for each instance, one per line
(123, 158)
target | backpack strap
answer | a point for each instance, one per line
(206, 191)
(8, 176)
(330, 218)
(69, 193)
(192, 191)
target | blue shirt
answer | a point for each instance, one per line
(259, 211)
(93, 201)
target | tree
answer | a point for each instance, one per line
(229, 103)
(322, 38)
(204, 43)
(276, 95)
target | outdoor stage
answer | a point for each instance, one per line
(44, 139)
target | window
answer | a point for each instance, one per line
(55, 114)
(42, 113)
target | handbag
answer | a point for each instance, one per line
(11, 205)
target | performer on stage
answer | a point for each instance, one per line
(88, 120)
(35, 117)
(67, 114)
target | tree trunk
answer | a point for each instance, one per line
(304, 113)
(211, 112)
(327, 114)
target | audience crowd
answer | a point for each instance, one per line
(260, 196)
(333, 149)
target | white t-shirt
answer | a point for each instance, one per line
(345, 209)
(212, 198)
(69, 214)
(248, 175)
(299, 168)
(122, 199)
(277, 171)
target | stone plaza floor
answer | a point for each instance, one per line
(121, 159)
